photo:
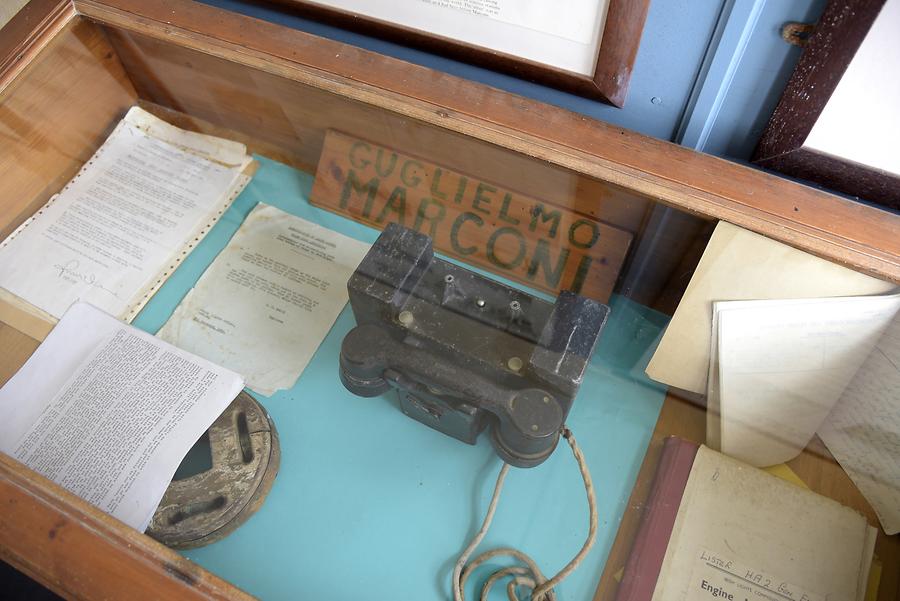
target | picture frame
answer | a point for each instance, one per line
(608, 83)
(785, 145)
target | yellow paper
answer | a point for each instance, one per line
(785, 473)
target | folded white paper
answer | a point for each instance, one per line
(778, 367)
(108, 411)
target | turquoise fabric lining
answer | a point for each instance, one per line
(370, 504)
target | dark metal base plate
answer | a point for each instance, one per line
(206, 507)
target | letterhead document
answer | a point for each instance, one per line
(742, 265)
(269, 299)
(108, 411)
(118, 229)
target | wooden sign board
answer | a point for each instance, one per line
(547, 247)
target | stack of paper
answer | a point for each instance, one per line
(863, 430)
(799, 359)
(742, 265)
(782, 371)
(120, 227)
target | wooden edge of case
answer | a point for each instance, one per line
(77, 550)
(28, 32)
(815, 221)
(80, 552)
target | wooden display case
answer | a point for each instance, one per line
(69, 70)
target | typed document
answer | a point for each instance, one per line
(108, 411)
(269, 299)
(121, 226)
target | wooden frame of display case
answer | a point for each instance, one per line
(80, 552)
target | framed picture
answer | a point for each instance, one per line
(586, 47)
(838, 122)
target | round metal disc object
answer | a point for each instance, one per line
(206, 507)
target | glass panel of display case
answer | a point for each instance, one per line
(528, 275)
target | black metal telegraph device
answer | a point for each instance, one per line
(464, 352)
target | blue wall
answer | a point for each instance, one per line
(746, 68)
(708, 73)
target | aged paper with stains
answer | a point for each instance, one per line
(269, 299)
(742, 534)
(119, 228)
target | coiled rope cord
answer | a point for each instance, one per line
(527, 575)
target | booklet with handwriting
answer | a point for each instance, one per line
(122, 225)
(108, 411)
(741, 533)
